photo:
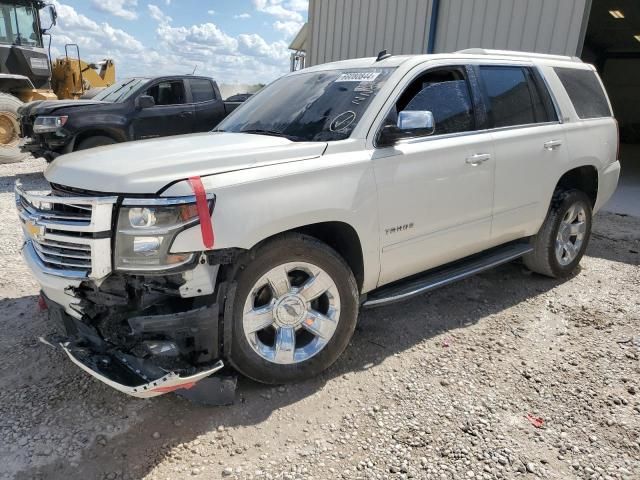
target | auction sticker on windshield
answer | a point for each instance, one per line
(358, 77)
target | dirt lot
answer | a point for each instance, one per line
(506, 375)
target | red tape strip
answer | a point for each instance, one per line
(206, 226)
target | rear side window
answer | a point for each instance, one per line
(585, 91)
(201, 90)
(515, 96)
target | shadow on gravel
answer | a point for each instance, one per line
(381, 333)
(610, 232)
(30, 181)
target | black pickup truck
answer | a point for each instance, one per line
(132, 109)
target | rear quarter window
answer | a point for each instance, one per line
(585, 91)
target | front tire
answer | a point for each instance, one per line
(92, 142)
(562, 240)
(295, 310)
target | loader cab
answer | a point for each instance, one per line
(22, 49)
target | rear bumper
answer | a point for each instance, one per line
(607, 184)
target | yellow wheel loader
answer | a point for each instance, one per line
(27, 74)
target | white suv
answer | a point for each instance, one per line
(341, 186)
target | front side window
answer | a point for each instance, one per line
(168, 93)
(316, 106)
(19, 25)
(585, 91)
(443, 92)
(201, 90)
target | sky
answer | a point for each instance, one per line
(234, 41)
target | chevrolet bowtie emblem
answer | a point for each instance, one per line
(33, 230)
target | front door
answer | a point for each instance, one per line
(436, 191)
(171, 115)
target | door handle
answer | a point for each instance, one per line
(477, 159)
(552, 144)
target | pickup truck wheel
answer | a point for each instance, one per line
(10, 130)
(295, 310)
(92, 142)
(563, 237)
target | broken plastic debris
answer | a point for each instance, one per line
(535, 421)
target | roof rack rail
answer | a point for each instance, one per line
(513, 53)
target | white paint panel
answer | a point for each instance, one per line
(544, 26)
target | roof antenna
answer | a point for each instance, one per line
(194, 69)
(383, 55)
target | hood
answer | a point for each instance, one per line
(46, 107)
(145, 167)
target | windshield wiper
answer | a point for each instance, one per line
(272, 133)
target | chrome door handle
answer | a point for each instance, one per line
(477, 159)
(552, 144)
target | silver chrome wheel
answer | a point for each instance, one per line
(291, 313)
(571, 234)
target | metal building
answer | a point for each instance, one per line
(340, 29)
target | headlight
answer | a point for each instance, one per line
(146, 230)
(49, 124)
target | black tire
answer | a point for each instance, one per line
(10, 130)
(92, 142)
(284, 249)
(543, 259)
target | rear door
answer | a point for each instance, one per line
(209, 109)
(529, 144)
(172, 114)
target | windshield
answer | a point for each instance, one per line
(120, 91)
(317, 106)
(19, 25)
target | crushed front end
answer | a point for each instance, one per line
(132, 313)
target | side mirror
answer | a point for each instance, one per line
(145, 101)
(53, 17)
(416, 123)
(421, 121)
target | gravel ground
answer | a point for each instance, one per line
(505, 375)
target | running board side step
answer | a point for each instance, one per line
(441, 276)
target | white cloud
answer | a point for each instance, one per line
(120, 8)
(289, 28)
(298, 5)
(284, 10)
(158, 15)
(242, 16)
(211, 12)
(246, 58)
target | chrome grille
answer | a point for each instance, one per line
(70, 236)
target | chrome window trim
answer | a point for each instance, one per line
(470, 132)
(418, 139)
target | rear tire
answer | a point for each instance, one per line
(92, 142)
(563, 238)
(10, 130)
(294, 312)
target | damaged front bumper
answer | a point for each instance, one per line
(108, 369)
(133, 375)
